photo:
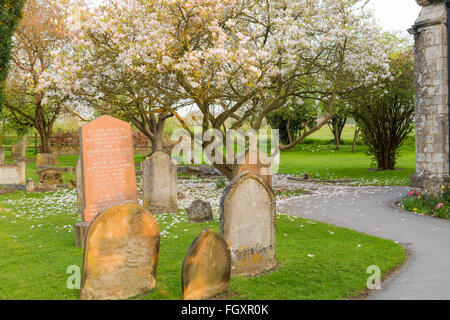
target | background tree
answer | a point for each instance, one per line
(385, 113)
(338, 122)
(235, 60)
(293, 119)
(10, 15)
(40, 32)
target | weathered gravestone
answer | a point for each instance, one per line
(247, 223)
(206, 268)
(199, 211)
(12, 173)
(2, 155)
(160, 183)
(46, 159)
(50, 176)
(255, 161)
(30, 185)
(121, 254)
(80, 199)
(108, 175)
(18, 150)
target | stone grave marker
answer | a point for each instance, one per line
(12, 173)
(206, 268)
(30, 185)
(79, 188)
(18, 150)
(50, 176)
(2, 155)
(46, 159)
(247, 223)
(121, 254)
(255, 161)
(107, 172)
(160, 183)
(199, 211)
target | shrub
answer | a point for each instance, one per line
(65, 138)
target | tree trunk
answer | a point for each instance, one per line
(158, 135)
(337, 137)
(355, 139)
(45, 142)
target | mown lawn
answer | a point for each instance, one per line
(316, 261)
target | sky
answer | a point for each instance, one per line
(396, 15)
(393, 15)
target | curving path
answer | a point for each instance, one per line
(426, 274)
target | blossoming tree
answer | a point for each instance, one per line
(39, 33)
(234, 60)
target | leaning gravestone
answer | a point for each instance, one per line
(247, 223)
(160, 183)
(121, 254)
(199, 211)
(108, 175)
(206, 268)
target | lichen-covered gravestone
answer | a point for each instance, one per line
(160, 183)
(206, 268)
(199, 211)
(121, 254)
(50, 176)
(107, 168)
(247, 223)
(46, 159)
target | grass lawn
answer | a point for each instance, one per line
(316, 261)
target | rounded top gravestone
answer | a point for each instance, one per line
(247, 223)
(121, 254)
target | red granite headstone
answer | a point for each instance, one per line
(108, 174)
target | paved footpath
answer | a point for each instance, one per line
(426, 274)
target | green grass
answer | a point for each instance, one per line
(34, 260)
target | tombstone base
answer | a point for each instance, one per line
(80, 230)
(251, 262)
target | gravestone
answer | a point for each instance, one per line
(121, 254)
(247, 223)
(79, 188)
(18, 150)
(50, 176)
(160, 183)
(46, 159)
(30, 185)
(255, 161)
(431, 92)
(2, 155)
(199, 211)
(12, 173)
(206, 270)
(107, 172)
